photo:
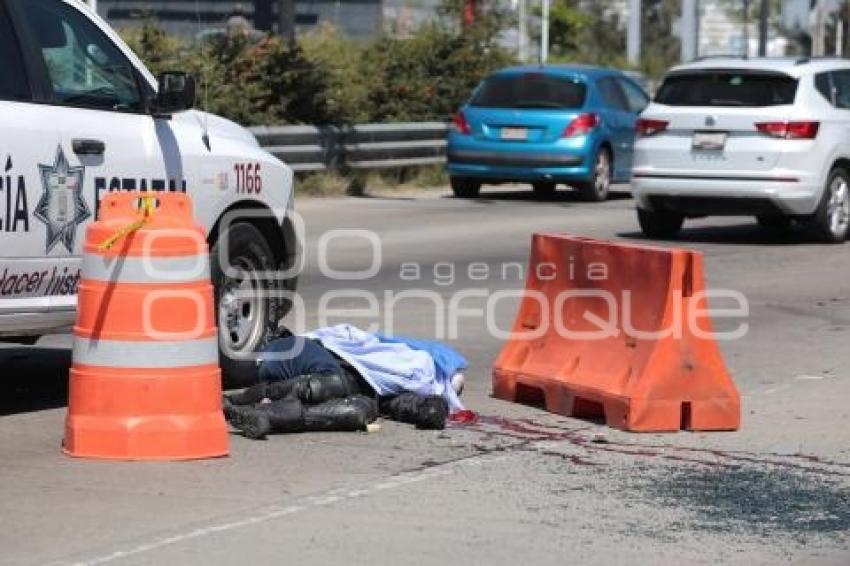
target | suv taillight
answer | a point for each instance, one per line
(648, 127)
(461, 124)
(581, 125)
(789, 130)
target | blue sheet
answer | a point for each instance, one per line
(446, 359)
(447, 362)
(391, 367)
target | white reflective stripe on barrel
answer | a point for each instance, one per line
(155, 354)
(126, 269)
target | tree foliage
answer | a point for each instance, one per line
(428, 75)
(328, 78)
(247, 79)
(660, 47)
(593, 32)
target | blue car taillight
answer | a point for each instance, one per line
(461, 124)
(581, 125)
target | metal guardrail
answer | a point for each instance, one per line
(359, 146)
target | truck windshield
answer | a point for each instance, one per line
(530, 90)
(727, 88)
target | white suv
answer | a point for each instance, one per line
(762, 137)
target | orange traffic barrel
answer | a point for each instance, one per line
(145, 382)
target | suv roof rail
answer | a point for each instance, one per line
(707, 57)
(798, 61)
(808, 59)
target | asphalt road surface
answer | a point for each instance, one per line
(519, 487)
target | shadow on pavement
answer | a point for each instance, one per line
(33, 379)
(562, 195)
(739, 234)
(382, 196)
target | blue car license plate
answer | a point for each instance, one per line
(514, 133)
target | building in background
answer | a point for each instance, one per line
(403, 17)
(721, 33)
(190, 18)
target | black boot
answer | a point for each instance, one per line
(311, 389)
(249, 396)
(291, 415)
(427, 412)
(226, 407)
(253, 422)
(349, 414)
(368, 404)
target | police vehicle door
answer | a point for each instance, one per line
(24, 274)
(93, 135)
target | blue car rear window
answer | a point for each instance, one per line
(530, 90)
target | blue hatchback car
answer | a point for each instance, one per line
(547, 125)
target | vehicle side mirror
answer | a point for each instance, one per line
(176, 92)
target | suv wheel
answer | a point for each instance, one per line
(248, 307)
(596, 190)
(544, 188)
(660, 225)
(465, 188)
(832, 218)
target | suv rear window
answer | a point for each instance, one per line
(727, 88)
(530, 90)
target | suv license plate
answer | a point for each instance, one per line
(514, 133)
(709, 141)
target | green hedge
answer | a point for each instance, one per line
(327, 78)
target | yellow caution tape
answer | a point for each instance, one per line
(148, 205)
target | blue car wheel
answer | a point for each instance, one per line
(464, 187)
(596, 190)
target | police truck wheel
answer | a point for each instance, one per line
(831, 221)
(247, 308)
(660, 225)
(465, 188)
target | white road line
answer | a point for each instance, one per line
(276, 512)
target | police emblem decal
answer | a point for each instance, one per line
(61, 207)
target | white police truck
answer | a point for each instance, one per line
(81, 116)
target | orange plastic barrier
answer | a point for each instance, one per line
(614, 330)
(145, 382)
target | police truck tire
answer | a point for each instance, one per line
(248, 307)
